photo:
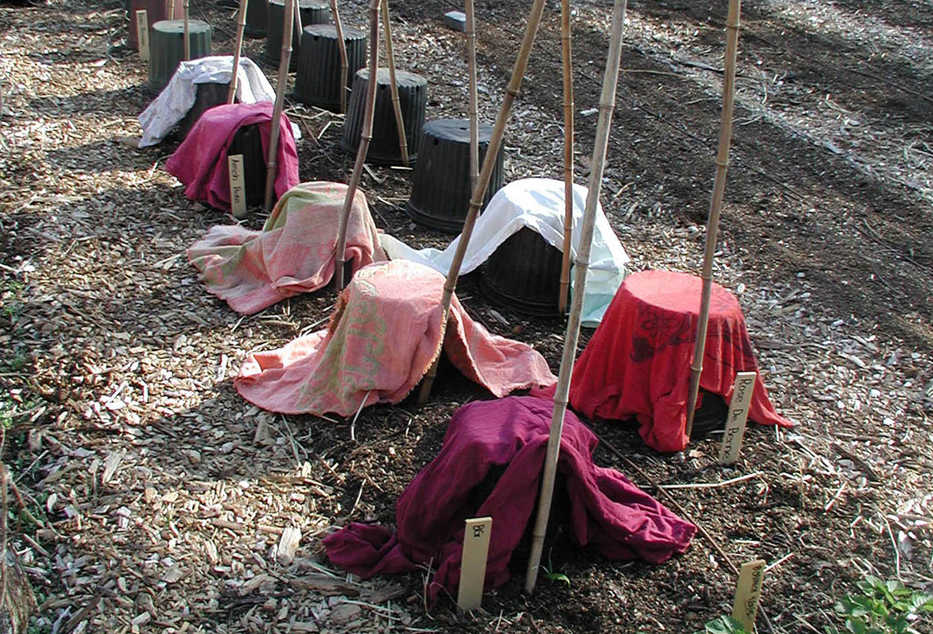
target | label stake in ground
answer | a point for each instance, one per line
(473, 562)
(142, 33)
(748, 592)
(237, 185)
(738, 415)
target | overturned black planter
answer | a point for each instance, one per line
(524, 274)
(257, 12)
(167, 48)
(440, 192)
(413, 99)
(318, 79)
(248, 142)
(209, 94)
(312, 12)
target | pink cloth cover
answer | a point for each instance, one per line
(606, 512)
(294, 252)
(200, 162)
(382, 338)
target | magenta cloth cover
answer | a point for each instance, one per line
(200, 162)
(607, 511)
(637, 363)
(294, 253)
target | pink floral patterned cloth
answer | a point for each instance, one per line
(383, 337)
(294, 253)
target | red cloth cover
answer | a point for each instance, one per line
(607, 511)
(638, 361)
(200, 162)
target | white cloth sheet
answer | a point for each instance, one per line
(179, 95)
(536, 203)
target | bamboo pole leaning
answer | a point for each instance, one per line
(366, 135)
(473, 114)
(606, 105)
(344, 60)
(393, 84)
(567, 65)
(712, 222)
(237, 49)
(187, 42)
(291, 8)
(482, 182)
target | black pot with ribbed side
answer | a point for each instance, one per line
(318, 79)
(248, 142)
(523, 274)
(312, 12)
(440, 191)
(208, 95)
(413, 100)
(167, 48)
(257, 12)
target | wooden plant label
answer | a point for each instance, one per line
(748, 592)
(737, 417)
(142, 33)
(473, 562)
(237, 185)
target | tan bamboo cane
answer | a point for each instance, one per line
(171, 10)
(297, 24)
(366, 135)
(474, 97)
(240, 28)
(606, 106)
(291, 7)
(187, 43)
(567, 59)
(712, 223)
(393, 83)
(479, 191)
(344, 60)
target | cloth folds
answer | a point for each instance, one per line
(294, 252)
(177, 98)
(383, 337)
(200, 162)
(607, 511)
(536, 203)
(637, 363)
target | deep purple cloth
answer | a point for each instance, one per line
(606, 510)
(200, 162)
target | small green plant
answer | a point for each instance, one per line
(10, 303)
(723, 625)
(882, 607)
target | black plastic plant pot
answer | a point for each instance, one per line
(413, 100)
(440, 193)
(257, 12)
(209, 94)
(167, 48)
(312, 12)
(524, 274)
(248, 142)
(318, 79)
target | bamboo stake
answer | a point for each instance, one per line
(291, 7)
(567, 58)
(297, 24)
(187, 43)
(712, 223)
(344, 60)
(234, 74)
(396, 104)
(171, 10)
(474, 97)
(366, 134)
(606, 106)
(479, 191)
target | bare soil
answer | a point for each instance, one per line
(150, 497)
